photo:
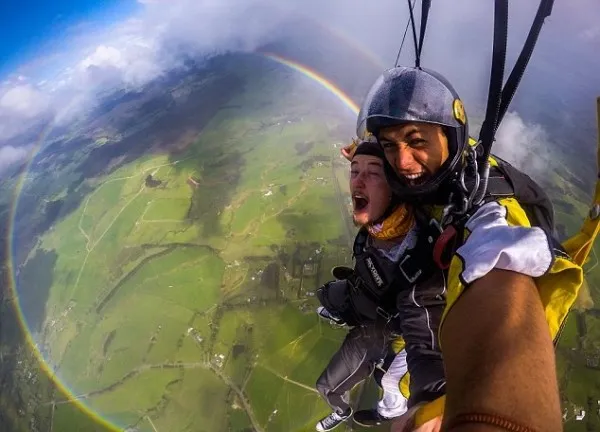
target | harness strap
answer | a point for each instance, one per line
(370, 279)
(498, 185)
(360, 242)
(449, 240)
(411, 272)
(385, 303)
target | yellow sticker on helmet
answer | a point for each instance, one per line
(459, 111)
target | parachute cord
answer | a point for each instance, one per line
(418, 42)
(403, 38)
(486, 136)
(496, 76)
(543, 12)
(414, 32)
(495, 115)
(425, 5)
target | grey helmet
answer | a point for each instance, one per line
(407, 94)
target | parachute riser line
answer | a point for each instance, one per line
(414, 32)
(499, 96)
(425, 5)
(489, 126)
(403, 37)
(510, 88)
(498, 102)
(418, 41)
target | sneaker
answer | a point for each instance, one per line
(332, 421)
(369, 418)
(341, 272)
(324, 313)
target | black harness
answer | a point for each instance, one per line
(504, 181)
(379, 280)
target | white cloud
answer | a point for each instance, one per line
(133, 65)
(137, 50)
(146, 46)
(22, 106)
(525, 145)
(11, 155)
(103, 56)
(591, 33)
(141, 48)
(24, 100)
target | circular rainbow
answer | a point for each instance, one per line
(62, 387)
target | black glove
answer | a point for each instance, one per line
(335, 297)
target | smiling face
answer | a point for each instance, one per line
(371, 193)
(415, 150)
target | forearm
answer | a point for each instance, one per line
(499, 355)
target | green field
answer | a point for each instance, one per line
(178, 295)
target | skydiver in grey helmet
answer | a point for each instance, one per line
(416, 101)
(502, 267)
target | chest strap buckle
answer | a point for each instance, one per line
(384, 314)
(415, 275)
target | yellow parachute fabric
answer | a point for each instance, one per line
(558, 288)
(579, 246)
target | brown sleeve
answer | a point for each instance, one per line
(499, 356)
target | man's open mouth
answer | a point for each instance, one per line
(360, 201)
(415, 179)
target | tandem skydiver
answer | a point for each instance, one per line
(510, 284)
(379, 301)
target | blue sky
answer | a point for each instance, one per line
(26, 27)
(63, 53)
(57, 56)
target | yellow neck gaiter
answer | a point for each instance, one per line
(395, 225)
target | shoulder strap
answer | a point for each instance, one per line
(381, 280)
(530, 195)
(360, 242)
(499, 186)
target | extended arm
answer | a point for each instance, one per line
(499, 355)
